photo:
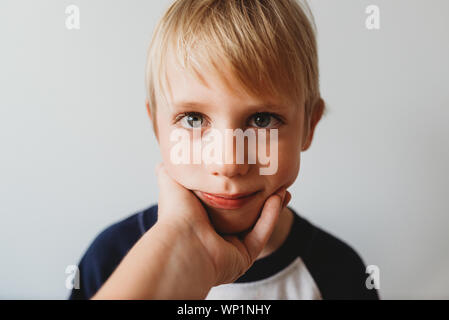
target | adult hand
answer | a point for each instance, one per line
(230, 256)
(181, 256)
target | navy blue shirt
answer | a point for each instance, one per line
(336, 268)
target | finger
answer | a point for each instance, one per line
(256, 239)
(165, 182)
(169, 189)
(287, 199)
(171, 193)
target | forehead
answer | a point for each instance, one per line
(208, 86)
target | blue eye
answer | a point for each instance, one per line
(264, 120)
(191, 120)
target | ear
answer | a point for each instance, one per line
(148, 109)
(151, 119)
(318, 111)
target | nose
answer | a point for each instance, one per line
(228, 170)
(230, 166)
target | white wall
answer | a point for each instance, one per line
(78, 152)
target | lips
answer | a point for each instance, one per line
(227, 201)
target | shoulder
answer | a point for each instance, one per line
(336, 267)
(108, 249)
(125, 233)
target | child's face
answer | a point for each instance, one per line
(228, 109)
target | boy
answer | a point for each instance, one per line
(229, 64)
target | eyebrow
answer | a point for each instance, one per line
(265, 105)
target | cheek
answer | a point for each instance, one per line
(289, 160)
(289, 169)
(188, 175)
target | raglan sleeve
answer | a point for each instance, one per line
(98, 262)
(338, 269)
(354, 281)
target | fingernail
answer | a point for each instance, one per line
(282, 194)
(287, 199)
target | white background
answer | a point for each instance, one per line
(78, 153)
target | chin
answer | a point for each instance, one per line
(232, 221)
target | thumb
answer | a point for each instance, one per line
(165, 183)
(256, 239)
(169, 189)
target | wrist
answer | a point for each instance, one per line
(190, 262)
(167, 262)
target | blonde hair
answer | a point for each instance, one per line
(269, 45)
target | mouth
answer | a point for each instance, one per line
(227, 201)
